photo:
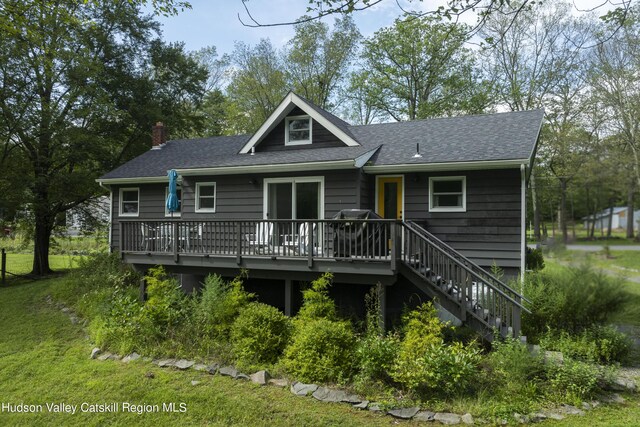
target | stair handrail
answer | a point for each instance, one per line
(469, 265)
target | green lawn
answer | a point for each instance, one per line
(44, 358)
(22, 263)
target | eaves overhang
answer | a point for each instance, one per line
(446, 166)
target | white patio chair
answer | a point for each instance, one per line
(262, 239)
(303, 239)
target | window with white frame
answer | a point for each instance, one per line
(297, 130)
(166, 196)
(448, 194)
(129, 202)
(205, 197)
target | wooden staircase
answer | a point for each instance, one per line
(473, 295)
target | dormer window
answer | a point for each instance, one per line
(297, 130)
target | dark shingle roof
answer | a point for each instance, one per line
(502, 136)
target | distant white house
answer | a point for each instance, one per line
(618, 220)
(86, 215)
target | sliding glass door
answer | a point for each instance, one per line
(294, 198)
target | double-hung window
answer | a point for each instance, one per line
(297, 130)
(129, 202)
(448, 194)
(205, 197)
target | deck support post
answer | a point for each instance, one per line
(288, 297)
(143, 290)
(382, 305)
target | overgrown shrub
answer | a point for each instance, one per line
(317, 304)
(321, 347)
(512, 369)
(164, 307)
(597, 344)
(375, 351)
(219, 305)
(573, 380)
(120, 329)
(570, 299)
(534, 260)
(321, 350)
(259, 335)
(426, 363)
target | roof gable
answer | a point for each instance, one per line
(333, 124)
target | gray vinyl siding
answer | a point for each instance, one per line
(320, 137)
(488, 231)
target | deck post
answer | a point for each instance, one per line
(239, 243)
(382, 305)
(121, 238)
(143, 290)
(517, 313)
(175, 241)
(310, 245)
(394, 246)
(288, 297)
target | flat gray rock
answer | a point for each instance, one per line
(613, 398)
(301, 389)
(351, 398)
(212, 369)
(241, 376)
(622, 384)
(165, 363)
(200, 367)
(571, 410)
(183, 364)
(467, 418)
(404, 413)
(447, 418)
(95, 352)
(520, 419)
(362, 405)
(131, 357)
(279, 382)
(115, 357)
(325, 394)
(374, 407)
(104, 356)
(228, 371)
(537, 417)
(260, 377)
(425, 416)
(554, 416)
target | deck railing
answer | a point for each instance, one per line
(370, 240)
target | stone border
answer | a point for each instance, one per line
(325, 394)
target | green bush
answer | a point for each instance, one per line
(597, 344)
(570, 299)
(375, 352)
(164, 307)
(317, 304)
(573, 380)
(534, 260)
(321, 350)
(219, 305)
(512, 369)
(426, 363)
(120, 329)
(259, 335)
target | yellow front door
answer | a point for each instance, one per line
(390, 197)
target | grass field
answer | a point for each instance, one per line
(22, 263)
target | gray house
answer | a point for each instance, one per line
(289, 202)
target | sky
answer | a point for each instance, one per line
(215, 22)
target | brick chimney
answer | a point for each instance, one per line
(158, 135)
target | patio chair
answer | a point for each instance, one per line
(303, 239)
(261, 241)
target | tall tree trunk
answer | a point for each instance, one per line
(536, 209)
(563, 210)
(41, 247)
(610, 219)
(630, 218)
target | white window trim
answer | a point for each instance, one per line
(462, 208)
(215, 197)
(166, 211)
(120, 202)
(293, 180)
(286, 130)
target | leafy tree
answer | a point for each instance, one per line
(317, 59)
(82, 83)
(418, 68)
(258, 84)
